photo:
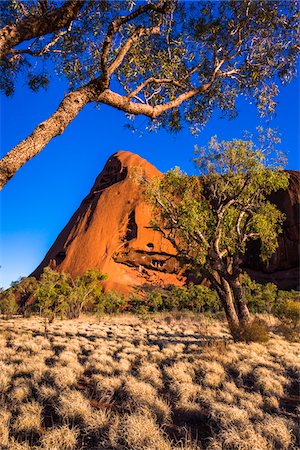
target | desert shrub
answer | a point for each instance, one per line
(290, 311)
(57, 294)
(111, 302)
(139, 305)
(84, 292)
(260, 298)
(155, 301)
(255, 332)
(286, 307)
(196, 298)
(8, 304)
(51, 293)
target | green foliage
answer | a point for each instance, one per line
(288, 308)
(8, 304)
(194, 298)
(24, 286)
(139, 305)
(111, 302)
(259, 298)
(224, 210)
(84, 292)
(51, 293)
(58, 294)
(254, 44)
(268, 299)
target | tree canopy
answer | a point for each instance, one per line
(171, 61)
(211, 219)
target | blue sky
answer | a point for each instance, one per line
(37, 203)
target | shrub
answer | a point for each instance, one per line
(139, 305)
(57, 294)
(111, 302)
(8, 304)
(259, 298)
(155, 301)
(255, 332)
(196, 298)
(288, 310)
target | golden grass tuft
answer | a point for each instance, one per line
(61, 438)
(29, 417)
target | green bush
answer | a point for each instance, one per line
(57, 294)
(259, 298)
(155, 301)
(288, 310)
(8, 304)
(196, 298)
(110, 303)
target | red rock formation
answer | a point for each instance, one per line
(110, 231)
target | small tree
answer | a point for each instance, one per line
(85, 291)
(210, 220)
(59, 294)
(51, 293)
(8, 304)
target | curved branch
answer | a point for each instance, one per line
(68, 109)
(116, 25)
(156, 81)
(35, 26)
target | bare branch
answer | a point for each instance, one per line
(156, 81)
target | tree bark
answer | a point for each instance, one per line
(68, 109)
(242, 308)
(38, 25)
(228, 305)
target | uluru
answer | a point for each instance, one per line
(111, 231)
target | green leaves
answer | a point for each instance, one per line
(58, 294)
(233, 47)
(212, 218)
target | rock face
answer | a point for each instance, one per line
(283, 267)
(111, 231)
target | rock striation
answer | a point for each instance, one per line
(111, 231)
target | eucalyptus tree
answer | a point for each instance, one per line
(171, 61)
(211, 219)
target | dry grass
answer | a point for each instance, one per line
(126, 383)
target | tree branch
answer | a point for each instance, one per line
(156, 81)
(115, 26)
(35, 26)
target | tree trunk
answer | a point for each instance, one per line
(68, 109)
(34, 26)
(242, 308)
(228, 305)
(231, 295)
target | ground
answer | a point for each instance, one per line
(169, 382)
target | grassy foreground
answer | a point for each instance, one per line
(128, 383)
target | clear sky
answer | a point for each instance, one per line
(38, 202)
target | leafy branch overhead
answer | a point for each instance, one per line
(170, 61)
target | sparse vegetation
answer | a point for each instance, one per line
(177, 381)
